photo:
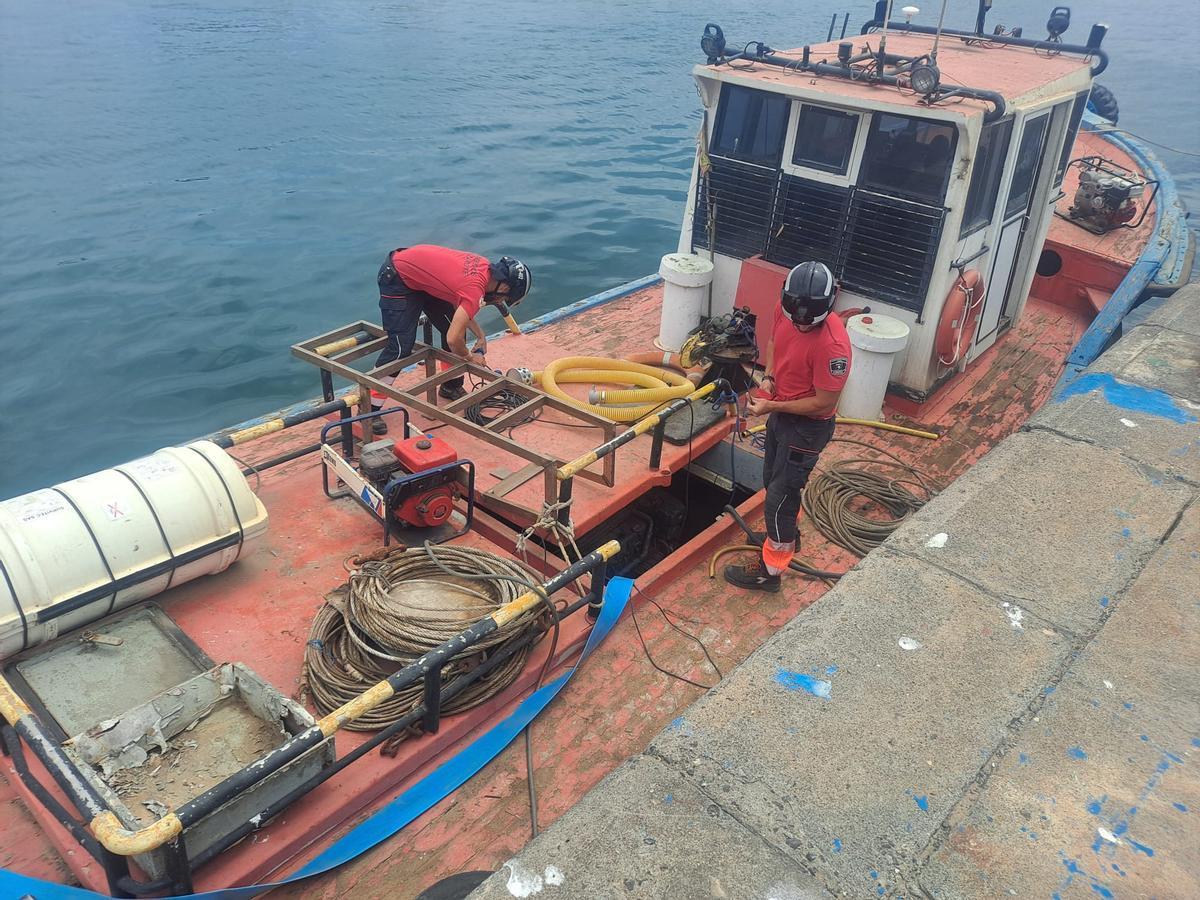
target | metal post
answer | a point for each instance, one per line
(433, 701)
(596, 598)
(179, 871)
(564, 497)
(656, 445)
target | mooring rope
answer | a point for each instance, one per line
(377, 627)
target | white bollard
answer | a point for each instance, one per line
(876, 341)
(686, 278)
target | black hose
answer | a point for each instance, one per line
(757, 540)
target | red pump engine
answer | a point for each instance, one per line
(395, 468)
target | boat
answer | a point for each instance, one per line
(184, 707)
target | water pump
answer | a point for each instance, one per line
(411, 486)
(1107, 196)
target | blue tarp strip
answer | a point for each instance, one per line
(419, 798)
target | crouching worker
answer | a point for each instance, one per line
(449, 287)
(808, 359)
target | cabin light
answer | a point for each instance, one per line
(909, 12)
(924, 78)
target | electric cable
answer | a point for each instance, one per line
(653, 662)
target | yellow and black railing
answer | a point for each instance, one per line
(107, 838)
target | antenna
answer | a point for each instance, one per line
(879, 63)
(938, 38)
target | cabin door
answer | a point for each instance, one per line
(998, 302)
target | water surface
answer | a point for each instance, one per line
(188, 188)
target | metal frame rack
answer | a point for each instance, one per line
(334, 351)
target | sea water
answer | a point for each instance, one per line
(188, 188)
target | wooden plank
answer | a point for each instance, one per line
(513, 481)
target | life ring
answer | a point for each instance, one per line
(960, 315)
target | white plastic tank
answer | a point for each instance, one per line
(73, 553)
(876, 341)
(686, 278)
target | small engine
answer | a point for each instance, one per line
(394, 469)
(1106, 197)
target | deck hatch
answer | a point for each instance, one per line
(743, 200)
(808, 223)
(889, 248)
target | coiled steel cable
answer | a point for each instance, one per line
(375, 629)
(831, 493)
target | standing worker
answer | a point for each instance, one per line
(808, 359)
(449, 287)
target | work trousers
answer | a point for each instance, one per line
(400, 308)
(794, 444)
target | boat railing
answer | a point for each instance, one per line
(107, 837)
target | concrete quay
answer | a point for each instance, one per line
(1001, 701)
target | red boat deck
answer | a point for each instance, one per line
(259, 613)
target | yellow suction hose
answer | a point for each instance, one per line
(653, 386)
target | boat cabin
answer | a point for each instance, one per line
(924, 174)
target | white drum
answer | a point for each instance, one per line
(876, 341)
(686, 278)
(73, 553)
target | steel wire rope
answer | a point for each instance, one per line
(375, 630)
(830, 496)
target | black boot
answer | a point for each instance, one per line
(451, 391)
(378, 426)
(752, 578)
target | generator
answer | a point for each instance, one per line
(1107, 196)
(411, 486)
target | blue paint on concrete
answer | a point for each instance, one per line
(1102, 890)
(798, 681)
(1140, 848)
(1023, 759)
(670, 798)
(1144, 737)
(1180, 807)
(1125, 532)
(873, 874)
(1094, 807)
(831, 670)
(1132, 397)
(1104, 603)
(1196, 742)
(922, 803)
(1076, 753)
(837, 845)
(1127, 705)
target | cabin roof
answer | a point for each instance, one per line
(1013, 72)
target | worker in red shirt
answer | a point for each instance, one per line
(449, 287)
(808, 359)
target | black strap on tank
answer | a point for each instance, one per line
(229, 494)
(112, 600)
(158, 523)
(17, 603)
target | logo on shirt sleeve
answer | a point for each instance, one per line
(838, 366)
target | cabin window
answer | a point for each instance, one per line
(908, 157)
(1069, 141)
(824, 139)
(1029, 157)
(751, 126)
(985, 178)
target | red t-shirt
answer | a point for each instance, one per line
(455, 276)
(807, 360)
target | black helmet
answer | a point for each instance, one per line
(808, 293)
(516, 275)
